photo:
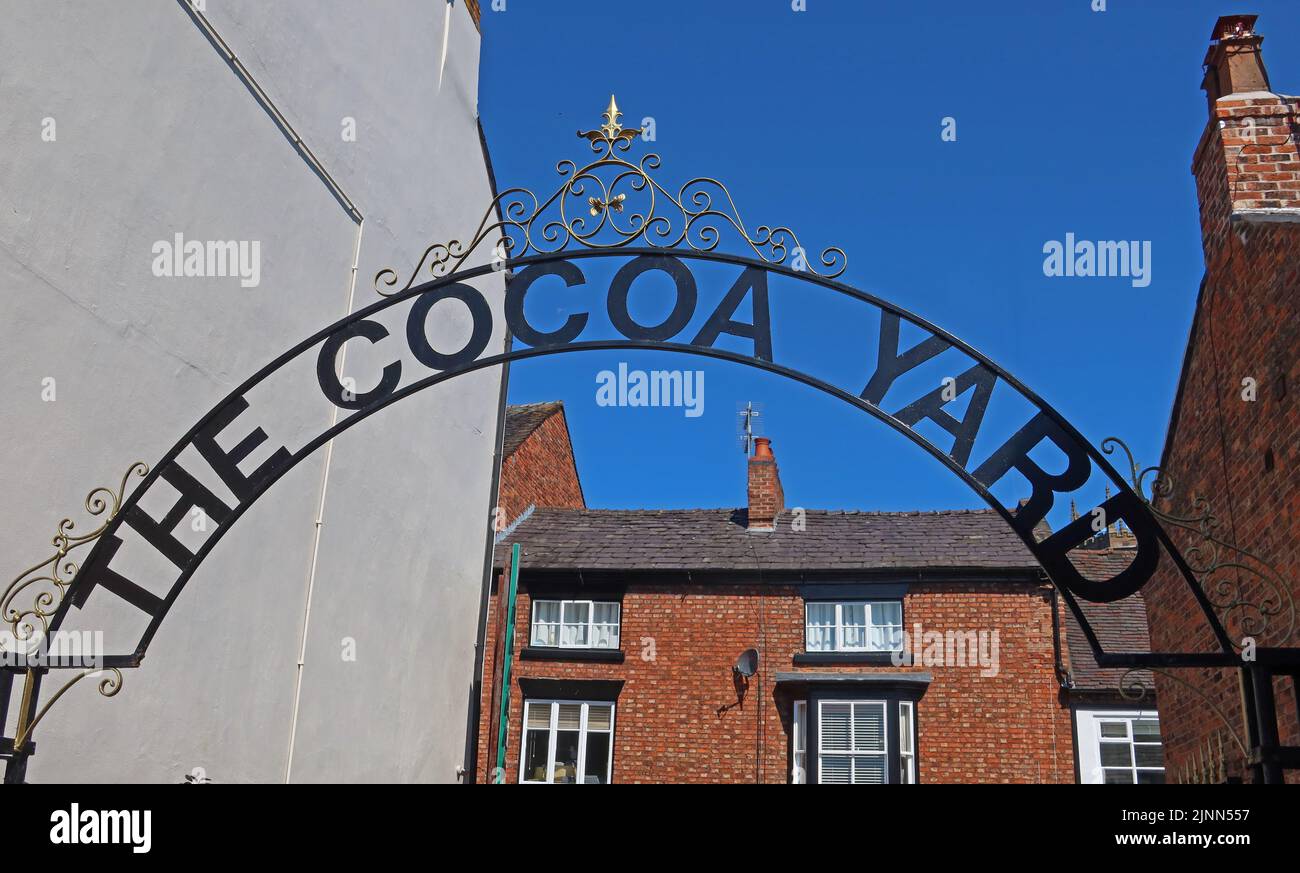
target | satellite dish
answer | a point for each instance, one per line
(747, 663)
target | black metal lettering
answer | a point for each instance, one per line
(1053, 552)
(1015, 455)
(518, 289)
(226, 464)
(621, 285)
(418, 339)
(193, 494)
(720, 322)
(964, 431)
(327, 367)
(98, 574)
(890, 364)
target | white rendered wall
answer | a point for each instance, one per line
(155, 134)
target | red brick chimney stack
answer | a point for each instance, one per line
(1247, 165)
(766, 497)
(1234, 63)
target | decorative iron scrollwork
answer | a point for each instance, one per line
(612, 203)
(108, 686)
(1220, 567)
(48, 581)
(1132, 688)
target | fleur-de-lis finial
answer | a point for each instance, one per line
(612, 115)
(611, 132)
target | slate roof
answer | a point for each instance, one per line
(1120, 627)
(523, 419)
(716, 539)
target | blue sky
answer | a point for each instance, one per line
(829, 121)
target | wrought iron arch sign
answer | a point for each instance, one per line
(675, 234)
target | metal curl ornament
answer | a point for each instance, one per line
(611, 203)
(52, 577)
(109, 686)
(1131, 687)
(1218, 565)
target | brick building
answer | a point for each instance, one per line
(630, 624)
(538, 467)
(1234, 432)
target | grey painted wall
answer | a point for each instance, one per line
(155, 134)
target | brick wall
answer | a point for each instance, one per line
(680, 644)
(1242, 455)
(541, 471)
(1247, 160)
(766, 496)
(1221, 447)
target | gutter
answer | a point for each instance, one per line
(469, 768)
(1062, 674)
(705, 576)
(507, 655)
(195, 12)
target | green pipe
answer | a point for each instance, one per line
(507, 656)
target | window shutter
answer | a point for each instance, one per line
(869, 770)
(851, 737)
(835, 770)
(539, 716)
(834, 728)
(868, 727)
(570, 717)
(598, 717)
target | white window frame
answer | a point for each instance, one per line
(1089, 740)
(553, 733)
(591, 625)
(883, 752)
(838, 627)
(799, 743)
(907, 743)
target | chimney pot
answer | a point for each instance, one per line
(1234, 64)
(762, 447)
(1241, 162)
(1234, 27)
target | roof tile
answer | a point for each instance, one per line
(522, 420)
(692, 539)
